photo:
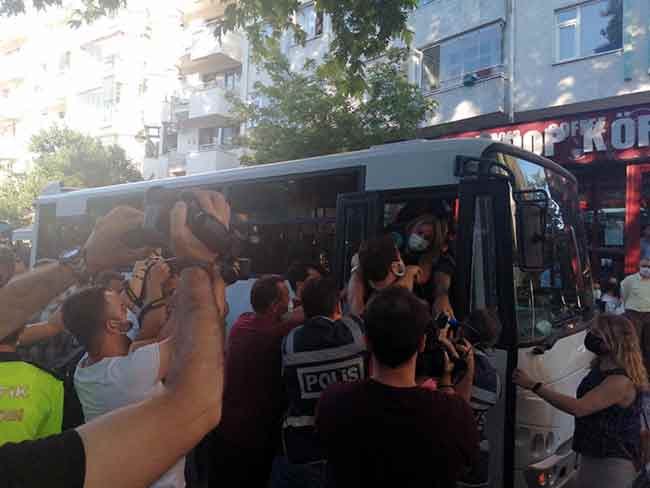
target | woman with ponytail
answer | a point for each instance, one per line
(607, 409)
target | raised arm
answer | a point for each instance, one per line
(152, 435)
(153, 431)
(30, 292)
(42, 330)
(154, 313)
(613, 390)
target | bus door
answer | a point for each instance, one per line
(358, 217)
(484, 281)
(364, 215)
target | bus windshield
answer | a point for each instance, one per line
(551, 301)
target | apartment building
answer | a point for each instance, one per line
(197, 130)
(567, 79)
(107, 79)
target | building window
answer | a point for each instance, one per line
(227, 135)
(310, 21)
(590, 28)
(446, 64)
(231, 80)
(208, 78)
(431, 69)
(94, 51)
(208, 138)
(64, 62)
(93, 100)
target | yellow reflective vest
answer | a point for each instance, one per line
(31, 401)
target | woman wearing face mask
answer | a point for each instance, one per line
(426, 247)
(607, 409)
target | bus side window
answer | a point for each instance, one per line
(290, 219)
(47, 235)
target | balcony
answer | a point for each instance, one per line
(209, 160)
(480, 93)
(202, 9)
(208, 53)
(208, 108)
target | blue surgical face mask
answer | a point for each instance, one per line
(417, 243)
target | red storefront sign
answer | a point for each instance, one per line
(613, 135)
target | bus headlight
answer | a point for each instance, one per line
(550, 443)
(538, 446)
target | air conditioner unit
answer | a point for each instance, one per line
(470, 79)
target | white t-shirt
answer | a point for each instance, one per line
(118, 381)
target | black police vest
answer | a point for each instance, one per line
(314, 356)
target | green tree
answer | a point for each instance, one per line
(302, 114)
(70, 157)
(17, 194)
(363, 29)
(89, 11)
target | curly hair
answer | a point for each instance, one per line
(622, 341)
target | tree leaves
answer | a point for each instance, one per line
(304, 114)
(63, 155)
(363, 29)
(91, 9)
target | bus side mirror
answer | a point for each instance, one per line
(531, 214)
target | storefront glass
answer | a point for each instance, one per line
(602, 199)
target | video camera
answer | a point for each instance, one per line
(431, 362)
(156, 232)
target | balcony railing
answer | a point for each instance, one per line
(210, 102)
(207, 53)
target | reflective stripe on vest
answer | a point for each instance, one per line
(316, 370)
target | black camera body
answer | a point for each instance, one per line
(431, 362)
(156, 232)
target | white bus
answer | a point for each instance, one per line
(520, 249)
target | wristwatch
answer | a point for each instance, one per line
(75, 260)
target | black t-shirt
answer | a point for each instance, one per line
(377, 435)
(55, 461)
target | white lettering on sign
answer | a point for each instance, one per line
(592, 134)
(644, 130)
(623, 133)
(569, 139)
(553, 135)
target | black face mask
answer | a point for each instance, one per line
(595, 344)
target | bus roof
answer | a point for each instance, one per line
(385, 168)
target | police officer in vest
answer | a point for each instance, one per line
(326, 349)
(31, 398)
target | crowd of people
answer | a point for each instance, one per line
(378, 383)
